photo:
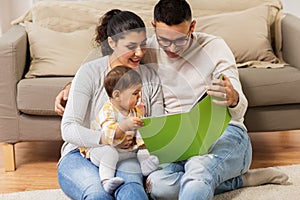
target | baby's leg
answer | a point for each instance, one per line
(107, 157)
(149, 163)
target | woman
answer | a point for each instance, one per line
(122, 36)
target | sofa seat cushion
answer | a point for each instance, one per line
(266, 87)
(37, 96)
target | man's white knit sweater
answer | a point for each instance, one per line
(184, 79)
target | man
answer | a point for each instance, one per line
(188, 64)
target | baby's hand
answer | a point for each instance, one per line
(137, 122)
(141, 105)
(131, 123)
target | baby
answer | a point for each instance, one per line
(118, 118)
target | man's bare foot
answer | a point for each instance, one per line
(261, 176)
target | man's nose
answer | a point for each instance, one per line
(172, 47)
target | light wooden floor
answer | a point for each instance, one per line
(36, 161)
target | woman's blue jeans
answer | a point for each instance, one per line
(79, 179)
(201, 177)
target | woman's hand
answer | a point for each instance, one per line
(128, 125)
(225, 92)
(61, 100)
(127, 143)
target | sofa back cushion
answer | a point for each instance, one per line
(212, 7)
(56, 53)
(246, 32)
(70, 16)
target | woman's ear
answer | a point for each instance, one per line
(116, 95)
(193, 25)
(111, 43)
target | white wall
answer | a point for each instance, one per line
(5, 10)
(291, 6)
(10, 10)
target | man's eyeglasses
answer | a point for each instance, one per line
(177, 42)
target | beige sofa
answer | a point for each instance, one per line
(28, 86)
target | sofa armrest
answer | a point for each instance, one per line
(13, 49)
(291, 40)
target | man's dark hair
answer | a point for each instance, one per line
(172, 12)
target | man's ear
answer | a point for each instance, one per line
(153, 23)
(111, 43)
(116, 95)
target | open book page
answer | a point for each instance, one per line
(199, 99)
(204, 94)
(179, 136)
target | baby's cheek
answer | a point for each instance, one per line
(132, 103)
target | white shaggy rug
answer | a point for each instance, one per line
(290, 191)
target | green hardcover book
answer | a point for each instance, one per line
(180, 136)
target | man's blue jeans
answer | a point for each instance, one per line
(201, 177)
(79, 179)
